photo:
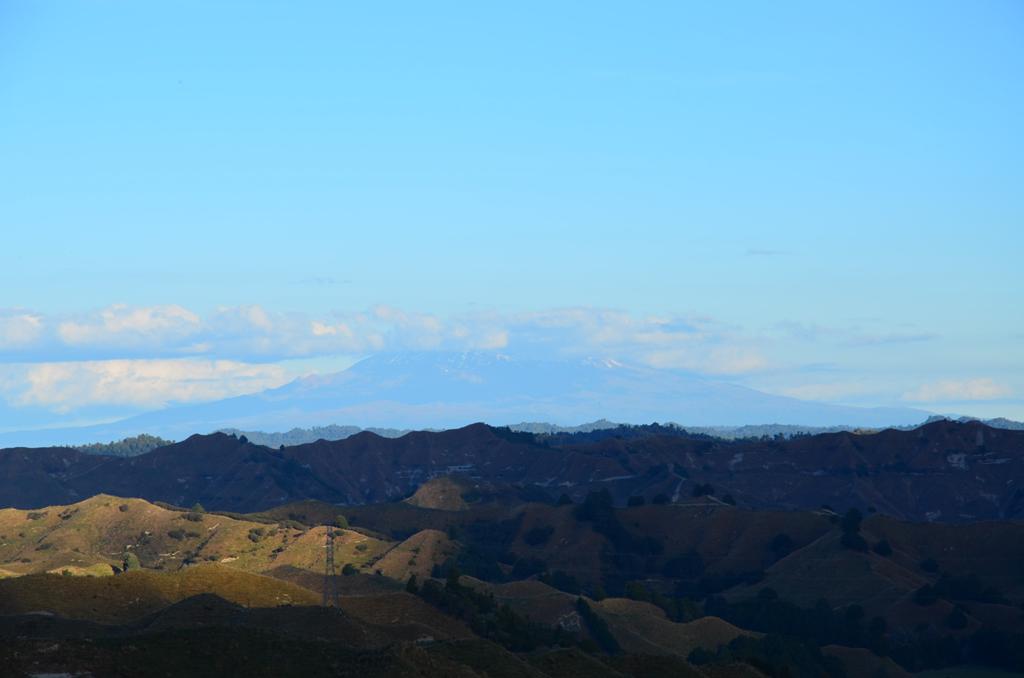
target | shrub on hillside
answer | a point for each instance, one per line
(703, 490)
(597, 627)
(956, 620)
(968, 587)
(636, 590)
(773, 655)
(689, 565)
(926, 596)
(782, 545)
(598, 510)
(562, 581)
(851, 521)
(539, 535)
(853, 541)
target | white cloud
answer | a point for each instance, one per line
(958, 391)
(19, 329)
(67, 386)
(671, 342)
(493, 339)
(710, 360)
(121, 325)
(345, 336)
(254, 334)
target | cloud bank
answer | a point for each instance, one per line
(147, 357)
(144, 357)
(254, 334)
(64, 387)
(958, 391)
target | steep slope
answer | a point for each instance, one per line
(443, 493)
(417, 555)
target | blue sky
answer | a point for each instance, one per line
(817, 199)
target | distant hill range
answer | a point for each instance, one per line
(602, 428)
(301, 436)
(944, 470)
(445, 390)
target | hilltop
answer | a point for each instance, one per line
(97, 535)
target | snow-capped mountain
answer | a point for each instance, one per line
(442, 390)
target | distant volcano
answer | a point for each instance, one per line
(445, 390)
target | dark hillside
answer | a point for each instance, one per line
(945, 471)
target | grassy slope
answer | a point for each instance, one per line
(637, 626)
(442, 493)
(884, 585)
(727, 539)
(90, 536)
(643, 628)
(93, 535)
(417, 555)
(135, 594)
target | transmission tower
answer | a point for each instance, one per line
(330, 573)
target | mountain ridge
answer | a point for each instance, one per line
(940, 471)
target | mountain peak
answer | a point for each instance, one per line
(436, 390)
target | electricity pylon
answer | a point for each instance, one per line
(330, 573)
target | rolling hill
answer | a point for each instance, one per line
(698, 576)
(94, 537)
